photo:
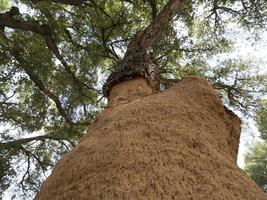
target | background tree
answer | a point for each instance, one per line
(56, 54)
(256, 160)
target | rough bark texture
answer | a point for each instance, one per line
(137, 62)
(178, 144)
(135, 65)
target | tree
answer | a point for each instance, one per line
(256, 165)
(262, 120)
(256, 162)
(53, 60)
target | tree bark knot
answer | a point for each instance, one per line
(135, 64)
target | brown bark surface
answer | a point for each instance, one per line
(137, 62)
(178, 144)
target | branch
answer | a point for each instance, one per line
(192, 50)
(29, 154)
(85, 48)
(7, 20)
(136, 61)
(112, 53)
(6, 98)
(145, 39)
(19, 142)
(67, 2)
(233, 95)
(98, 7)
(15, 52)
(38, 82)
(154, 9)
(227, 88)
(27, 173)
(217, 19)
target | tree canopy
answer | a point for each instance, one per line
(256, 165)
(57, 54)
(256, 160)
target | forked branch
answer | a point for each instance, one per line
(11, 19)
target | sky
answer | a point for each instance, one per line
(258, 53)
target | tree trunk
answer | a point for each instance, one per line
(177, 144)
(137, 62)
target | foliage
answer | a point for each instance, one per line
(54, 56)
(256, 163)
(256, 160)
(4, 5)
(262, 120)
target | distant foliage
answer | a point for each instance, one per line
(256, 165)
(256, 160)
(262, 120)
